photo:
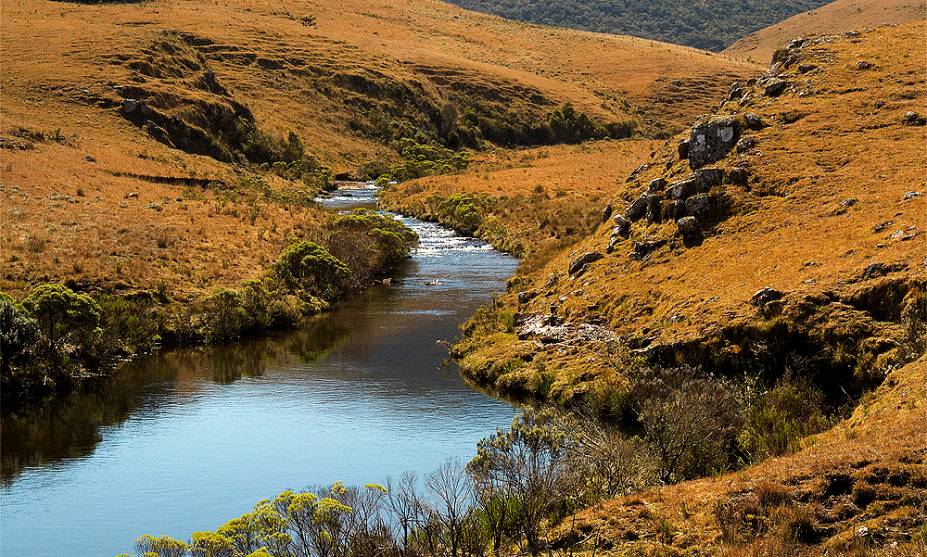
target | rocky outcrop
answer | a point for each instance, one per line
(712, 140)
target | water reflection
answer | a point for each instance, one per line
(185, 440)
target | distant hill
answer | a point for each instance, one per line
(707, 24)
(836, 17)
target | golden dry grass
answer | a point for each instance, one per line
(882, 447)
(63, 62)
(842, 138)
(534, 201)
(837, 17)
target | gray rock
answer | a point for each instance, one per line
(527, 296)
(578, 266)
(683, 150)
(775, 87)
(707, 178)
(882, 225)
(637, 208)
(688, 227)
(698, 205)
(89, 158)
(132, 195)
(642, 249)
(753, 121)
(606, 212)
(765, 295)
(864, 65)
(656, 185)
(745, 144)
(849, 202)
(913, 119)
(911, 195)
(805, 68)
(622, 227)
(738, 177)
(712, 140)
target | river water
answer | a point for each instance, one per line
(185, 440)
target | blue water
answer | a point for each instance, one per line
(189, 439)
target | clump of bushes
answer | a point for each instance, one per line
(54, 338)
(425, 159)
(460, 211)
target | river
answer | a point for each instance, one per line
(185, 440)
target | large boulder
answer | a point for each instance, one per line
(712, 140)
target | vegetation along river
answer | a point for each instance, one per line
(187, 439)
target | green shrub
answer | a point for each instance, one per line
(308, 269)
(63, 315)
(460, 211)
(223, 315)
(778, 420)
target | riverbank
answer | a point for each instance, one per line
(62, 337)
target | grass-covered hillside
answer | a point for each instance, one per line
(709, 25)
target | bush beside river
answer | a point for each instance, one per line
(55, 339)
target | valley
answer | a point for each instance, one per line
(303, 246)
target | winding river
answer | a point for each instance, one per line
(185, 440)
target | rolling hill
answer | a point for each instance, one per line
(710, 25)
(143, 126)
(836, 17)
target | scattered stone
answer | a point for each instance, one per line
(753, 121)
(578, 266)
(688, 227)
(745, 144)
(712, 140)
(738, 177)
(527, 296)
(862, 532)
(129, 106)
(642, 249)
(864, 65)
(656, 185)
(698, 205)
(551, 281)
(606, 212)
(155, 206)
(882, 225)
(847, 203)
(879, 104)
(805, 68)
(654, 211)
(677, 318)
(797, 43)
(132, 195)
(912, 118)
(637, 208)
(765, 295)
(707, 178)
(775, 87)
(683, 150)
(911, 195)
(89, 158)
(622, 227)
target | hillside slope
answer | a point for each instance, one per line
(141, 127)
(710, 25)
(836, 17)
(819, 202)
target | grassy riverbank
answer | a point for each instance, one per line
(55, 339)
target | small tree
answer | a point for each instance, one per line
(524, 463)
(18, 332)
(62, 315)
